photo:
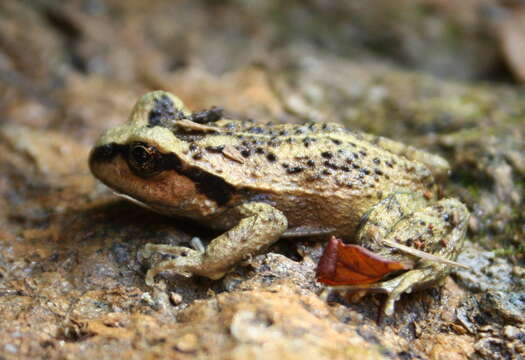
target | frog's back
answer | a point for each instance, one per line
(323, 159)
(313, 172)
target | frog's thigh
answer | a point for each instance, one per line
(382, 217)
(440, 230)
(260, 226)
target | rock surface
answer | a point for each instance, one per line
(71, 270)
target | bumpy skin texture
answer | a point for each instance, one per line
(262, 182)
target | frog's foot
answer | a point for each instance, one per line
(428, 237)
(394, 288)
(184, 261)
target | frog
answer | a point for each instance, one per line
(256, 183)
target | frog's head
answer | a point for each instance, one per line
(144, 161)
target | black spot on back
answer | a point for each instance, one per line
(163, 111)
(215, 149)
(295, 170)
(208, 116)
(330, 165)
(256, 130)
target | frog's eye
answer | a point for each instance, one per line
(144, 160)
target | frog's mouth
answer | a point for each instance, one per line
(158, 208)
(133, 200)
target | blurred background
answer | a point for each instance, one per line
(64, 63)
(443, 75)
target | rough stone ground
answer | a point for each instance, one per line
(428, 73)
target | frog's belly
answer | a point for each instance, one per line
(321, 216)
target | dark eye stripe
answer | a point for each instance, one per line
(107, 152)
(214, 187)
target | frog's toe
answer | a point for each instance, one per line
(150, 249)
(394, 288)
(404, 283)
(172, 265)
(181, 260)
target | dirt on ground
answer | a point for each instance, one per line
(439, 75)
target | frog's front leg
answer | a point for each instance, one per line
(437, 230)
(260, 226)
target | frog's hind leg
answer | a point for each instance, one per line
(394, 288)
(379, 221)
(259, 226)
(408, 219)
(437, 230)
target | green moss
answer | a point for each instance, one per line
(510, 251)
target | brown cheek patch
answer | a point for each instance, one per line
(208, 184)
(343, 264)
(168, 190)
